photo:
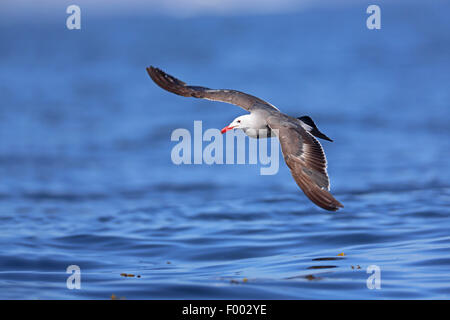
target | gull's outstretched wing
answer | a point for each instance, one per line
(174, 85)
(305, 157)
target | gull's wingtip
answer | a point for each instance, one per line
(157, 75)
(151, 70)
(168, 82)
(339, 206)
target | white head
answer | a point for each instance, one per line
(242, 122)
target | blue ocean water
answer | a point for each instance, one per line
(86, 176)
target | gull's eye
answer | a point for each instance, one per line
(239, 121)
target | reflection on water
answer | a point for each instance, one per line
(86, 177)
(319, 275)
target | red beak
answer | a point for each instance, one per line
(226, 129)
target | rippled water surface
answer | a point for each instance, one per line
(86, 176)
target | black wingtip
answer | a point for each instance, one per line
(154, 71)
(168, 82)
(314, 130)
(319, 134)
(151, 70)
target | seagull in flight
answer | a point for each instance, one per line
(302, 152)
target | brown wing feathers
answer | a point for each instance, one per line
(169, 83)
(312, 190)
(304, 156)
(315, 160)
(174, 85)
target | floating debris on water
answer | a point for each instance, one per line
(311, 277)
(130, 275)
(244, 280)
